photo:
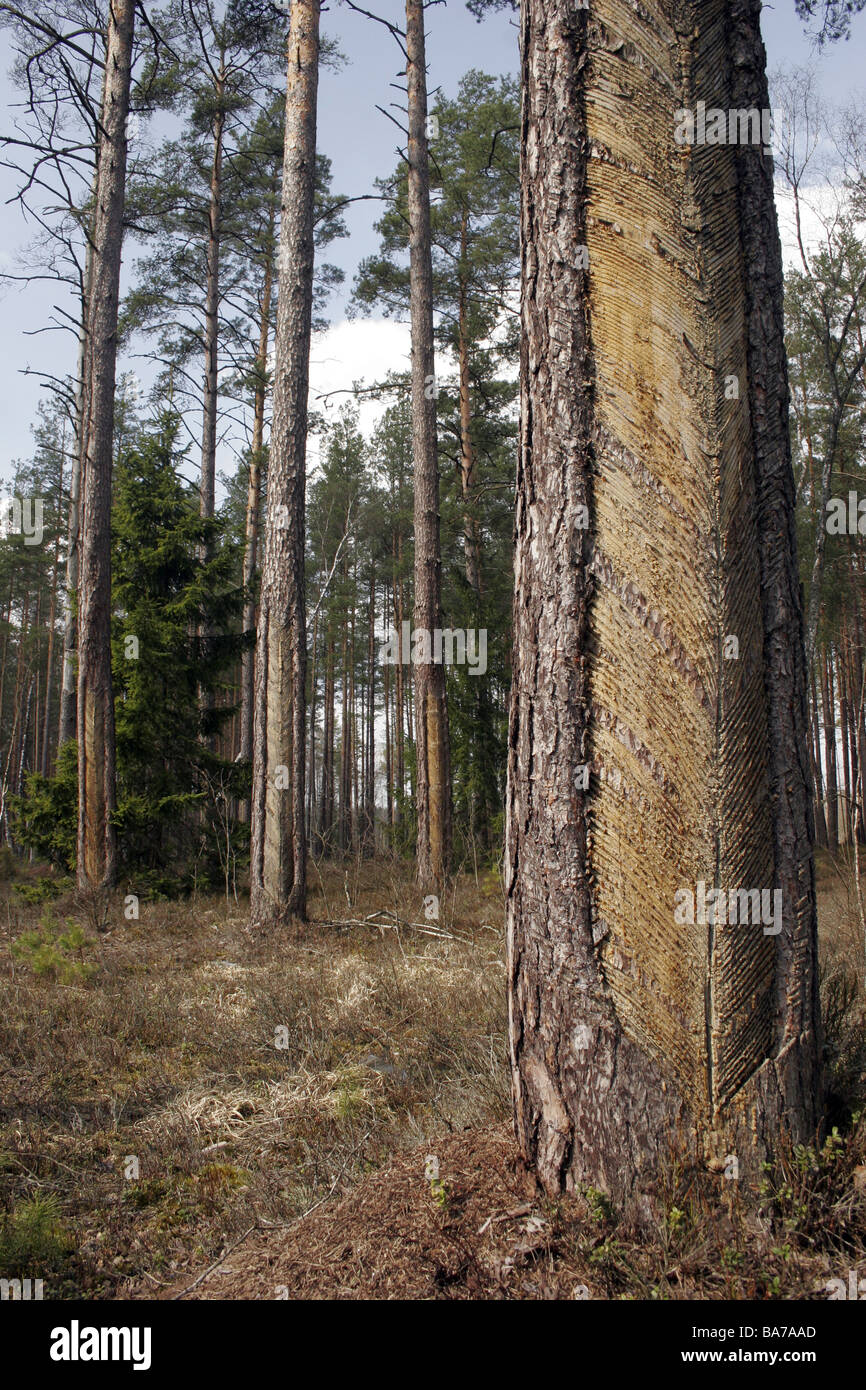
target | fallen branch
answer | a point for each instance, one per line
(394, 925)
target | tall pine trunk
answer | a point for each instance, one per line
(96, 757)
(655, 523)
(278, 856)
(433, 785)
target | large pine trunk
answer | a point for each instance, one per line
(96, 760)
(655, 522)
(433, 791)
(278, 856)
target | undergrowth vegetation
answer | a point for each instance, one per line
(168, 1081)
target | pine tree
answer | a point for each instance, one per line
(658, 729)
(96, 755)
(164, 594)
(278, 852)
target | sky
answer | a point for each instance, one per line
(361, 143)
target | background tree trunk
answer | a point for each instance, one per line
(630, 1033)
(251, 549)
(211, 314)
(96, 794)
(69, 678)
(433, 790)
(471, 532)
(278, 847)
(45, 753)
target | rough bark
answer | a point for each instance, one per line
(433, 785)
(631, 1034)
(96, 762)
(278, 842)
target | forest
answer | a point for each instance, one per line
(432, 806)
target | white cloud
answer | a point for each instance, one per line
(820, 204)
(354, 352)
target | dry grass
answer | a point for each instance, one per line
(255, 1080)
(243, 1076)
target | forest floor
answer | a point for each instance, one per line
(186, 1113)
